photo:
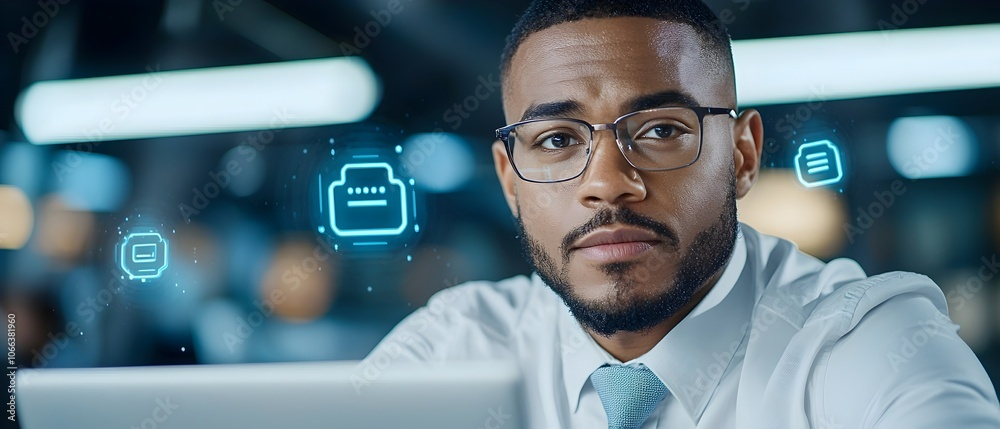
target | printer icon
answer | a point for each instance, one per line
(368, 201)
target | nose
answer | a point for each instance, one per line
(609, 179)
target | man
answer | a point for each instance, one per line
(651, 306)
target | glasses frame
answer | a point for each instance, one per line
(503, 135)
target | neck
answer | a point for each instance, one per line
(627, 345)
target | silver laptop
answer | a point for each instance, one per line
(468, 395)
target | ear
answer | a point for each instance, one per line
(506, 175)
(748, 141)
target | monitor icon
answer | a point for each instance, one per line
(818, 164)
(368, 201)
(143, 255)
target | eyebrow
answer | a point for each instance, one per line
(568, 108)
(660, 99)
(552, 110)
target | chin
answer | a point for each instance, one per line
(618, 291)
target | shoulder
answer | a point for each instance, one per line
(900, 358)
(471, 320)
(827, 301)
(808, 289)
(852, 301)
(868, 351)
(791, 285)
(494, 304)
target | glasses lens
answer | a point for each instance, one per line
(661, 139)
(550, 150)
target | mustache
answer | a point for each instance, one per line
(622, 215)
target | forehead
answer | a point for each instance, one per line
(602, 63)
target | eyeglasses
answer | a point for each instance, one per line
(557, 150)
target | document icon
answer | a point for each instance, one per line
(143, 255)
(367, 201)
(818, 164)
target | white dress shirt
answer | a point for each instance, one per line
(782, 340)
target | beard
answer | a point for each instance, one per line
(621, 310)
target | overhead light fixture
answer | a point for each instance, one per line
(202, 101)
(866, 64)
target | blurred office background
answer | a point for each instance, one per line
(920, 190)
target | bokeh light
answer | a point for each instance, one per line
(439, 162)
(813, 218)
(17, 218)
(923, 147)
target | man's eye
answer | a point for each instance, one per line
(558, 141)
(661, 132)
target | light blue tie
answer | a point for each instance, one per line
(629, 394)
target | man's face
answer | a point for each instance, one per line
(626, 249)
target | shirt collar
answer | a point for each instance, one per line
(690, 359)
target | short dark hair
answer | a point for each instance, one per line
(542, 14)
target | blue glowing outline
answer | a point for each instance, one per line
(367, 203)
(836, 158)
(166, 256)
(368, 232)
(151, 257)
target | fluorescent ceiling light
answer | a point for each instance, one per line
(203, 101)
(867, 64)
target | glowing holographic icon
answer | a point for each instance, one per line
(818, 164)
(368, 201)
(143, 255)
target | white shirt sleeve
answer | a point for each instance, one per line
(906, 367)
(466, 322)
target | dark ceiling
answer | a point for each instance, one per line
(430, 56)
